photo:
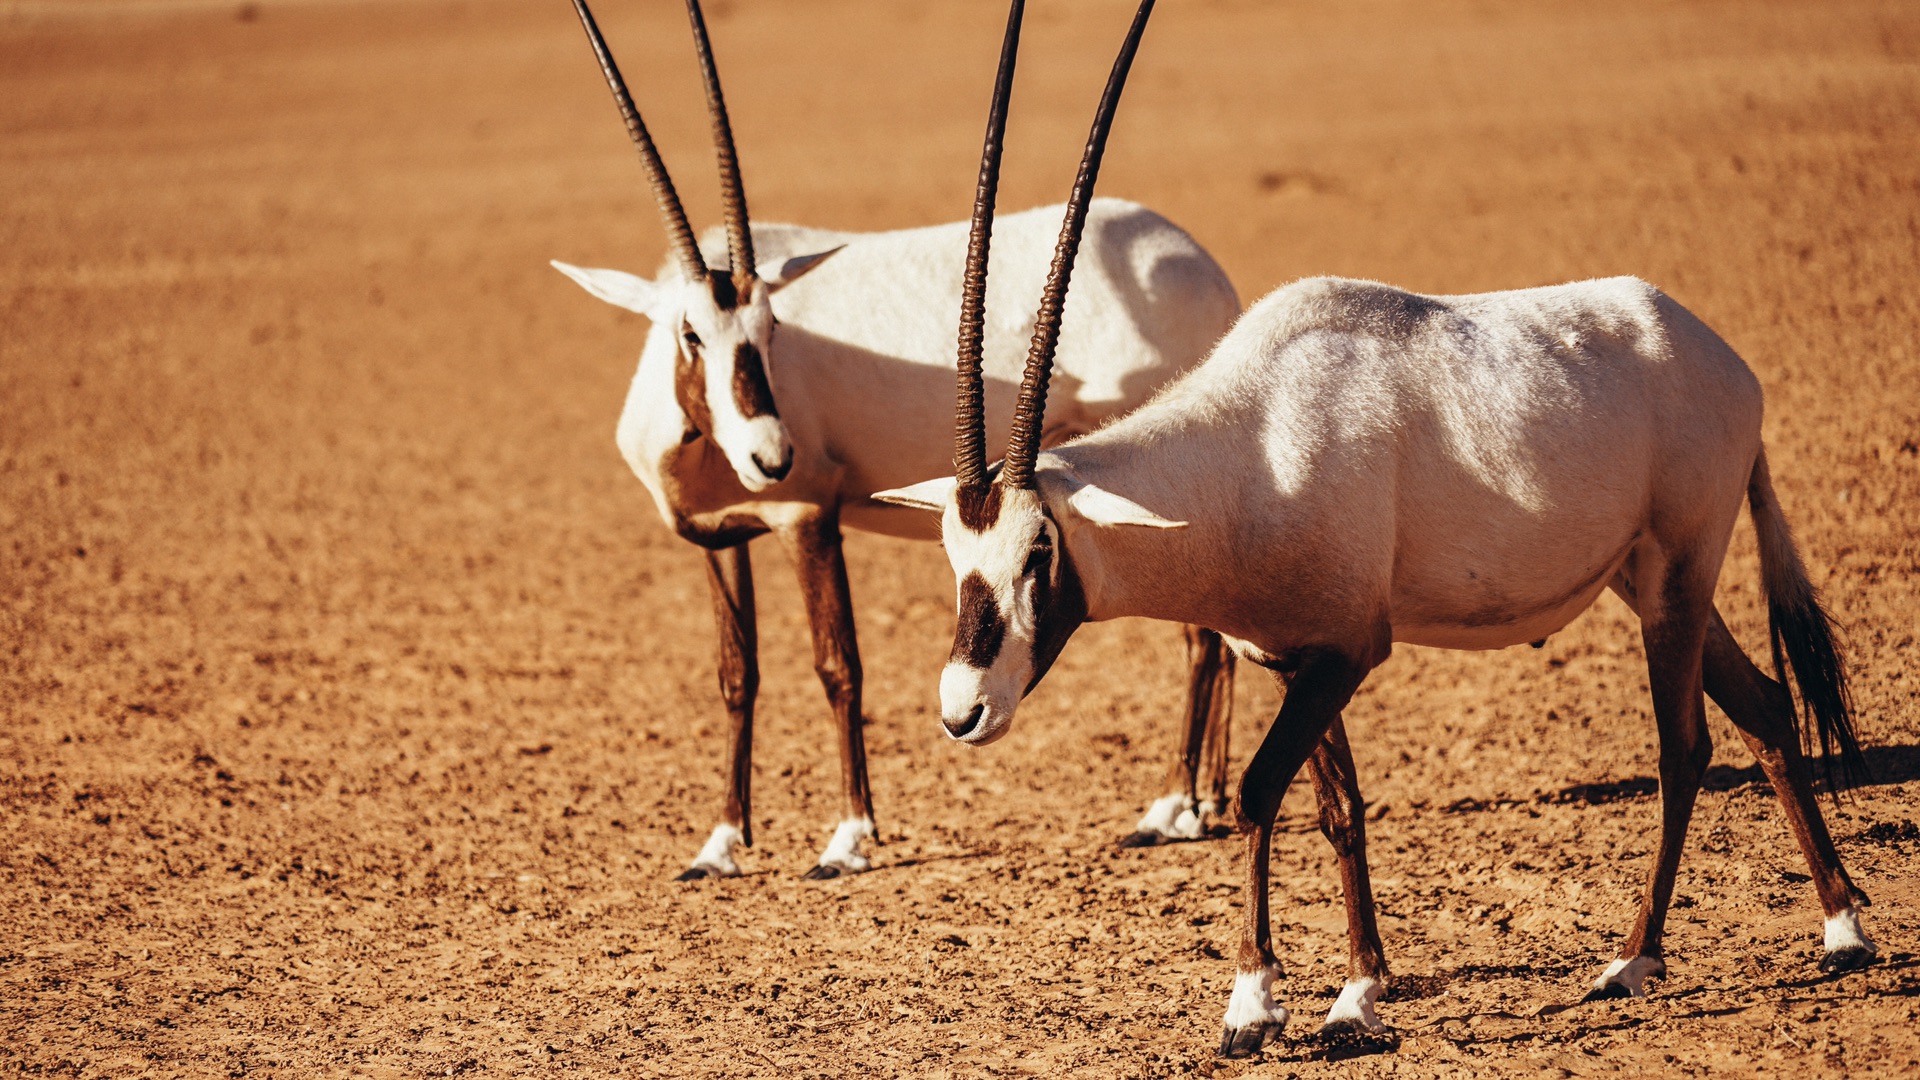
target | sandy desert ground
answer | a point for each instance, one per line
(356, 710)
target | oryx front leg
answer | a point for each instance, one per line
(1314, 697)
(814, 542)
(730, 578)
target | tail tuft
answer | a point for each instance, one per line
(1803, 639)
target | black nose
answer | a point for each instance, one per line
(964, 727)
(775, 471)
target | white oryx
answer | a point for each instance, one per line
(772, 402)
(1355, 465)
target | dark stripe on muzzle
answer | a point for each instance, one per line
(750, 390)
(977, 641)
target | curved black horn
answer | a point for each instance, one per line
(969, 410)
(733, 195)
(679, 233)
(1023, 445)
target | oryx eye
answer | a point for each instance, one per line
(692, 339)
(1040, 559)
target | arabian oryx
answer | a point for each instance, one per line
(1355, 465)
(771, 402)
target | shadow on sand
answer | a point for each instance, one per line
(1885, 765)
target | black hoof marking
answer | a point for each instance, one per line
(693, 874)
(1612, 991)
(1344, 1039)
(1143, 839)
(822, 873)
(1246, 1041)
(1849, 959)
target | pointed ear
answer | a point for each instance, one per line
(927, 495)
(790, 271)
(1103, 507)
(619, 288)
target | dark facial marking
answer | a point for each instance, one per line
(750, 390)
(979, 505)
(977, 641)
(1059, 605)
(725, 296)
(690, 389)
(1040, 563)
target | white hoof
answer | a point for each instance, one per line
(1171, 817)
(843, 851)
(716, 858)
(1355, 1007)
(1626, 978)
(1848, 946)
(1253, 1018)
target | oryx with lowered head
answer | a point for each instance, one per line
(775, 391)
(1355, 465)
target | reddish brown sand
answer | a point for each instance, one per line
(356, 711)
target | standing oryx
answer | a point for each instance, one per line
(768, 402)
(1355, 465)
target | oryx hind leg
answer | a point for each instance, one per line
(814, 542)
(1674, 596)
(730, 580)
(1763, 711)
(1196, 786)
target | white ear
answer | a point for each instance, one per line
(619, 288)
(1103, 507)
(927, 495)
(790, 270)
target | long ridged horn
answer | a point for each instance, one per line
(679, 233)
(969, 410)
(733, 194)
(1023, 445)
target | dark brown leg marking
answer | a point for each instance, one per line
(730, 581)
(1674, 634)
(814, 542)
(1343, 822)
(1763, 711)
(1200, 771)
(1318, 690)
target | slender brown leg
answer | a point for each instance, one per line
(730, 578)
(1763, 711)
(1210, 786)
(1673, 625)
(814, 542)
(1315, 695)
(1180, 813)
(1343, 822)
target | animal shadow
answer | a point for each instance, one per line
(1885, 765)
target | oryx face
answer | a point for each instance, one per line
(1007, 558)
(721, 341)
(721, 378)
(1020, 596)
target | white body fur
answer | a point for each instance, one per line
(862, 359)
(1461, 472)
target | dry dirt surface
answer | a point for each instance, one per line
(356, 710)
